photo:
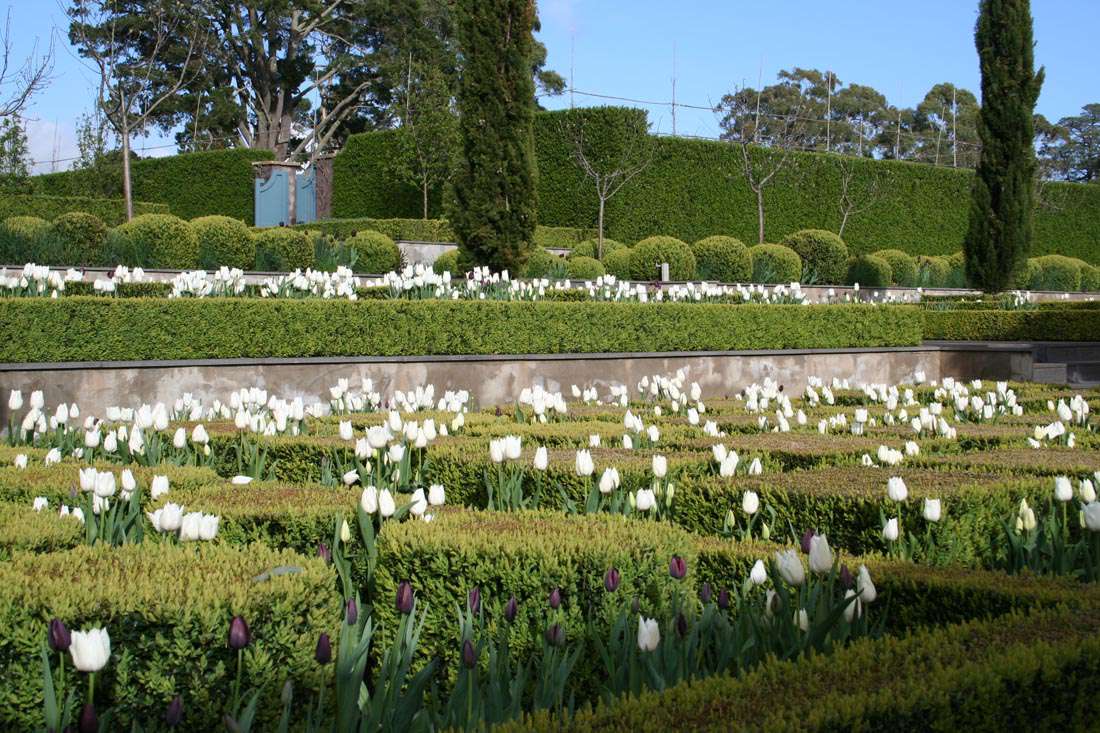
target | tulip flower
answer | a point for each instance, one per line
(1092, 516)
(891, 531)
(1063, 489)
(369, 500)
(386, 504)
(190, 526)
(896, 489)
(351, 477)
(644, 500)
(611, 580)
(40, 503)
(20, 461)
(609, 481)
(649, 634)
(90, 650)
(496, 451)
(15, 400)
(351, 610)
(158, 487)
(179, 439)
(542, 459)
(239, 635)
(469, 654)
(174, 714)
(932, 510)
(802, 620)
(846, 579)
(324, 552)
(436, 495)
(419, 503)
(346, 432)
(345, 532)
(750, 503)
(723, 599)
(705, 593)
(864, 586)
(511, 608)
(473, 600)
(790, 567)
(323, 652)
(821, 557)
(555, 599)
(677, 567)
(1087, 491)
(759, 574)
(105, 484)
(555, 635)
(404, 600)
(660, 466)
(59, 637)
(804, 544)
(584, 465)
(851, 610)
(199, 435)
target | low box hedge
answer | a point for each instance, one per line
(1013, 325)
(99, 329)
(167, 609)
(111, 211)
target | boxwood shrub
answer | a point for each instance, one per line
(19, 239)
(824, 255)
(1013, 325)
(81, 238)
(647, 255)
(956, 278)
(1090, 278)
(588, 248)
(903, 267)
(775, 263)
(617, 263)
(723, 259)
(224, 242)
(584, 268)
(448, 262)
(281, 249)
(377, 253)
(870, 271)
(539, 262)
(157, 240)
(933, 272)
(1056, 272)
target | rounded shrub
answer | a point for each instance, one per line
(902, 265)
(774, 263)
(447, 262)
(1056, 272)
(377, 253)
(540, 262)
(81, 238)
(932, 272)
(224, 241)
(617, 263)
(279, 249)
(956, 276)
(1090, 278)
(21, 239)
(647, 255)
(721, 258)
(588, 247)
(824, 255)
(1021, 279)
(870, 271)
(159, 240)
(584, 268)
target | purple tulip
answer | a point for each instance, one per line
(723, 599)
(174, 714)
(677, 568)
(846, 580)
(239, 635)
(555, 635)
(469, 654)
(59, 636)
(809, 535)
(405, 597)
(611, 580)
(681, 625)
(324, 553)
(351, 612)
(323, 653)
(705, 593)
(511, 608)
(474, 600)
(555, 599)
(89, 723)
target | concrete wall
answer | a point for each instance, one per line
(499, 379)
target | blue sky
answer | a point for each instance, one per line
(625, 48)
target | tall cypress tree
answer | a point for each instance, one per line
(493, 203)
(999, 237)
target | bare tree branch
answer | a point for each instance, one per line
(19, 83)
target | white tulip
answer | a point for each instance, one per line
(110, 443)
(821, 557)
(1087, 491)
(628, 443)
(649, 634)
(644, 500)
(191, 527)
(609, 481)
(90, 650)
(40, 503)
(15, 400)
(129, 483)
(932, 510)
(890, 532)
(91, 438)
(790, 567)
(660, 466)
(386, 504)
(513, 447)
(864, 586)
(583, 465)
(37, 400)
(719, 452)
(158, 487)
(594, 441)
(1063, 489)
(240, 480)
(496, 450)
(756, 467)
(653, 433)
(750, 503)
(351, 477)
(419, 503)
(436, 495)
(1092, 516)
(369, 500)
(199, 435)
(542, 458)
(104, 484)
(53, 456)
(802, 619)
(208, 527)
(896, 489)
(759, 574)
(852, 610)
(20, 461)
(171, 517)
(179, 439)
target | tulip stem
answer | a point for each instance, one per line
(91, 687)
(237, 684)
(61, 673)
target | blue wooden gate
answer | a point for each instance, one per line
(272, 199)
(305, 196)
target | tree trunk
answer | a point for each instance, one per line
(127, 191)
(599, 231)
(760, 213)
(843, 223)
(424, 192)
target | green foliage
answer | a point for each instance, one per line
(932, 272)
(410, 230)
(15, 159)
(1055, 272)
(102, 329)
(584, 268)
(824, 255)
(190, 184)
(224, 242)
(722, 259)
(111, 211)
(647, 256)
(80, 237)
(617, 263)
(494, 186)
(957, 277)
(156, 240)
(1090, 278)
(20, 237)
(998, 325)
(448, 262)
(165, 629)
(280, 249)
(903, 267)
(377, 252)
(1003, 194)
(539, 264)
(1021, 279)
(775, 263)
(588, 247)
(870, 271)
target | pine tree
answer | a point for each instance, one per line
(493, 202)
(999, 237)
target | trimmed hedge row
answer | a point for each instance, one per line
(190, 184)
(111, 211)
(432, 230)
(84, 328)
(1012, 325)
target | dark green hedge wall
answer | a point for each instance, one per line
(686, 193)
(83, 328)
(192, 184)
(111, 211)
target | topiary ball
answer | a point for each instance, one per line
(20, 237)
(224, 242)
(647, 255)
(824, 255)
(81, 238)
(902, 265)
(721, 258)
(774, 263)
(279, 249)
(870, 271)
(160, 240)
(377, 253)
(1057, 272)
(540, 262)
(1090, 278)
(584, 268)
(617, 263)
(588, 248)
(1022, 277)
(932, 272)
(447, 262)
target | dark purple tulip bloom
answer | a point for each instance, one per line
(611, 580)
(405, 597)
(705, 593)
(474, 600)
(809, 535)
(59, 636)
(89, 723)
(555, 635)
(511, 608)
(677, 568)
(323, 552)
(469, 654)
(681, 625)
(323, 653)
(351, 612)
(174, 714)
(555, 599)
(239, 635)
(846, 580)
(723, 599)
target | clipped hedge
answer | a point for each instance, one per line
(724, 259)
(870, 271)
(377, 252)
(1012, 325)
(280, 249)
(156, 240)
(224, 242)
(617, 263)
(448, 262)
(774, 263)
(94, 329)
(647, 256)
(933, 272)
(190, 184)
(824, 255)
(81, 238)
(1055, 272)
(111, 211)
(20, 238)
(588, 248)
(584, 268)
(168, 628)
(903, 267)
(539, 262)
